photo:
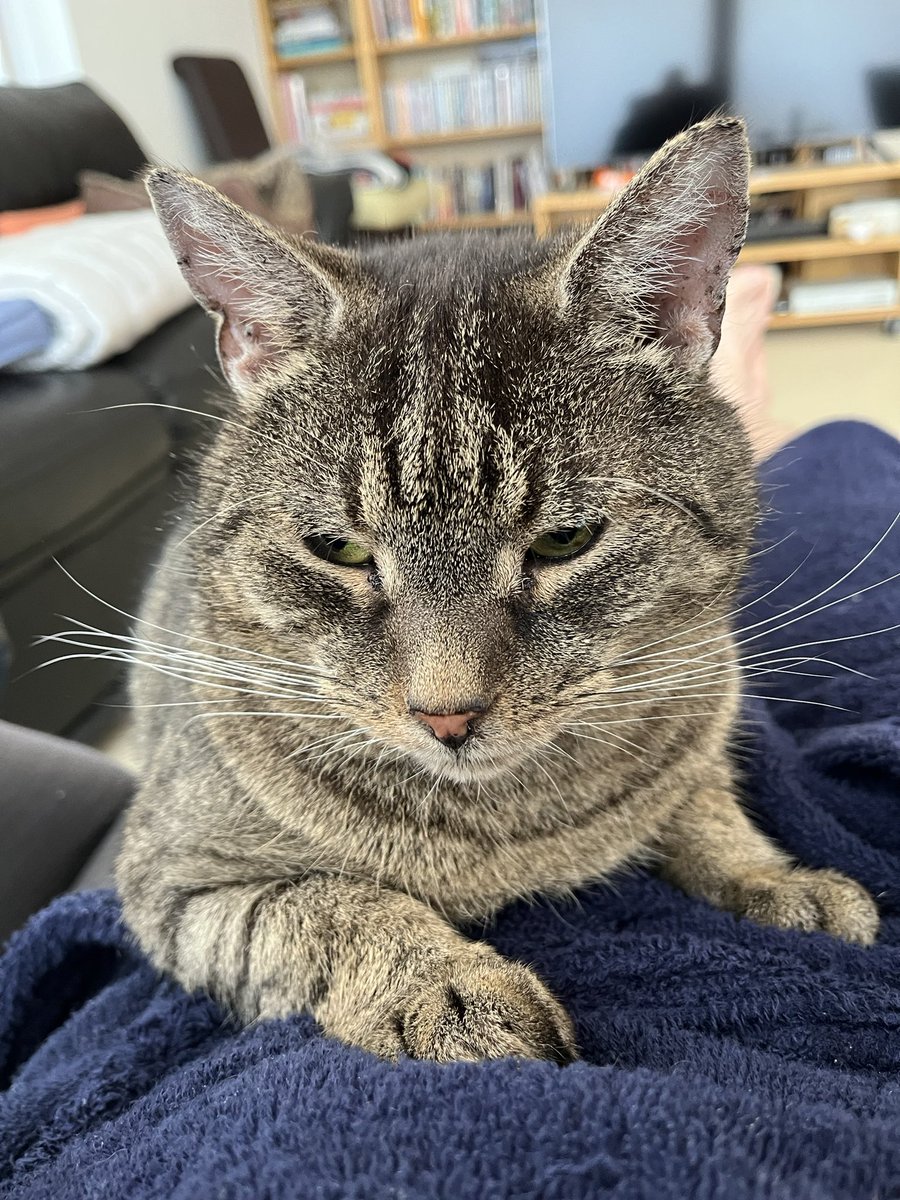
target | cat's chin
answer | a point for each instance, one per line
(466, 766)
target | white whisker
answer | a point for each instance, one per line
(177, 408)
(588, 737)
(711, 696)
(184, 675)
(263, 713)
(331, 739)
(173, 632)
(777, 619)
(211, 664)
(650, 491)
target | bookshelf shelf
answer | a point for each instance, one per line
(586, 203)
(493, 132)
(797, 179)
(804, 249)
(510, 33)
(858, 316)
(487, 220)
(324, 59)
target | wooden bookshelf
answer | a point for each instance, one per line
(786, 250)
(558, 208)
(509, 34)
(766, 180)
(859, 316)
(371, 58)
(456, 136)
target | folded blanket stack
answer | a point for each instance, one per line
(103, 281)
(720, 1059)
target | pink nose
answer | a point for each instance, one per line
(450, 728)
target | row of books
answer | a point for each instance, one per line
(504, 93)
(325, 116)
(307, 30)
(408, 20)
(501, 186)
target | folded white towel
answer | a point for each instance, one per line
(106, 280)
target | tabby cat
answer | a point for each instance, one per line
(451, 626)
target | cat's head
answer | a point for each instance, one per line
(465, 475)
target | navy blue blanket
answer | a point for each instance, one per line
(719, 1059)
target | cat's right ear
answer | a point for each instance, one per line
(270, 296)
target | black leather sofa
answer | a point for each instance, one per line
(85, 485)
(92, 463)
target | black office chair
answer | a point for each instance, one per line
(225, 107)
(884, 96)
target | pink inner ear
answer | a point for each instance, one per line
(245, 342)
(690, 307)
(244, 346)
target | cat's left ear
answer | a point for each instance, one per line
(656, 264)
(271, 296)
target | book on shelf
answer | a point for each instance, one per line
(500, 186)
(422, 20)
(504, 91)
(308, 49)
(324, 117)
(308, 30)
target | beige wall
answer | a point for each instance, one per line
(126, 48)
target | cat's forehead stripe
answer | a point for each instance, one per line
(442, 447)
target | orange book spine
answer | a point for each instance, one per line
(421, 21)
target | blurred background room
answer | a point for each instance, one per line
(354, 120)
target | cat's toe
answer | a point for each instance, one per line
(808, 900)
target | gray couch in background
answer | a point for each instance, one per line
(61, 807)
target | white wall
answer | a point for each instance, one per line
(37, 43)
(127, 46)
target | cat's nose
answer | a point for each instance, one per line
(450, 728)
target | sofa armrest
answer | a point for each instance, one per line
(57, 800)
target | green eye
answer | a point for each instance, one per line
(339, 550)
(563, 543)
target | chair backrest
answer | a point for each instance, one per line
(225, 107)
(884, 95)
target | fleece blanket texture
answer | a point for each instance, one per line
(719, 1059)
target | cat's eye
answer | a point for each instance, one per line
(563, 543)
(339, 550)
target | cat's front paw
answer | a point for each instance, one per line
(809, 901)
(466, 1008)
(486, 1007)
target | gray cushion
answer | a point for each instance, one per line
(57, 801)
(99, 870)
